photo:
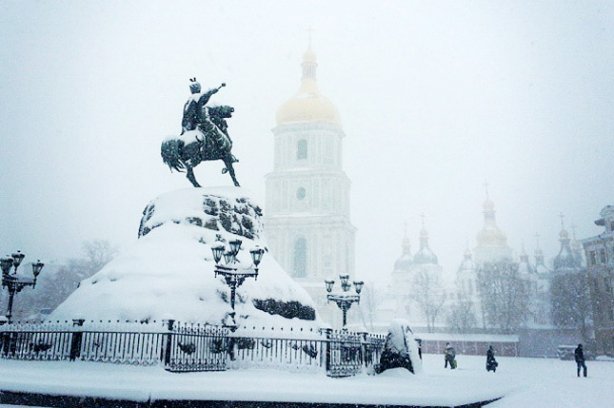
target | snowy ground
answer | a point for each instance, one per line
(535, 382)
(523, 382)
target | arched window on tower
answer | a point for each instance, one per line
(301, 149)
(300, 258)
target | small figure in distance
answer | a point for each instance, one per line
(449, 357)
(491, 363)
(419, 341)
(579, 355)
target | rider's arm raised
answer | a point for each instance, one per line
(204, 99)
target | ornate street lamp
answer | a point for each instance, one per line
(344, 299)
(13, 283)
(234, 276)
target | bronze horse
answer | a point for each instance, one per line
(204, 137)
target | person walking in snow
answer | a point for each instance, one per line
(419, 341)
(491, 363)
(449, 357)
(579, 355)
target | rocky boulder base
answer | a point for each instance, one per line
(169, 272)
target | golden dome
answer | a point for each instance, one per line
(309, 56)
(491, 236)
(308, 104)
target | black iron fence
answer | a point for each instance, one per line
(184, 347)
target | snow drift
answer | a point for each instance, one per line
(400, 349)
(169, 272)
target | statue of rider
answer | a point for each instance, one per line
(204, 133)
(194, 111)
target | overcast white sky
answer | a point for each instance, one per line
(435, 97)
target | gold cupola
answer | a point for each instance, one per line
(308, 104)
(490, 234)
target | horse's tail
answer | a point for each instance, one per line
(171, 154)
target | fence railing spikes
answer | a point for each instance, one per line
(181, 346)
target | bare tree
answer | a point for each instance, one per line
(57, 282)
(97, 253)
(370, 300)
(571, 301)
(461, 315)
(503, 295)
(428, 292)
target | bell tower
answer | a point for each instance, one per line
(307, 214)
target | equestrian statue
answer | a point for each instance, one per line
(204, 135)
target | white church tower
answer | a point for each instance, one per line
(307, 215)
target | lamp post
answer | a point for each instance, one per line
(345, 298)
(234, 276)
(13, 283)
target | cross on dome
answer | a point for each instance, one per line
(489, 205)
(310, 31)
(424, 235)
(424, 255)
(486, 189)
(308, 104)
(405, 245)
(563, 235)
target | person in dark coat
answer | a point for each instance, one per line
(419, 341)
(579, 355)
(491, 363)
(449, 357)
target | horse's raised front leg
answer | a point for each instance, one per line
(230, 169)
(190, 176)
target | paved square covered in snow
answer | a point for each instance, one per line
(522, 382)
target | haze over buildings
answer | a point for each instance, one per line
(434, 99)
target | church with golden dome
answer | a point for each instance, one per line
(307, 216)
(492, 248)
(491, 241)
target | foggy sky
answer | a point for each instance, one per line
(435, 98)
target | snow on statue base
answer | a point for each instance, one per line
(169, 272)
(400, 349)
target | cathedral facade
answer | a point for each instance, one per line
(307, 216)
(492, 248)
(416, 292)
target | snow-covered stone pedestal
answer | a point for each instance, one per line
(169, 272)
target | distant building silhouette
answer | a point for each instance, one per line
(599, 252)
